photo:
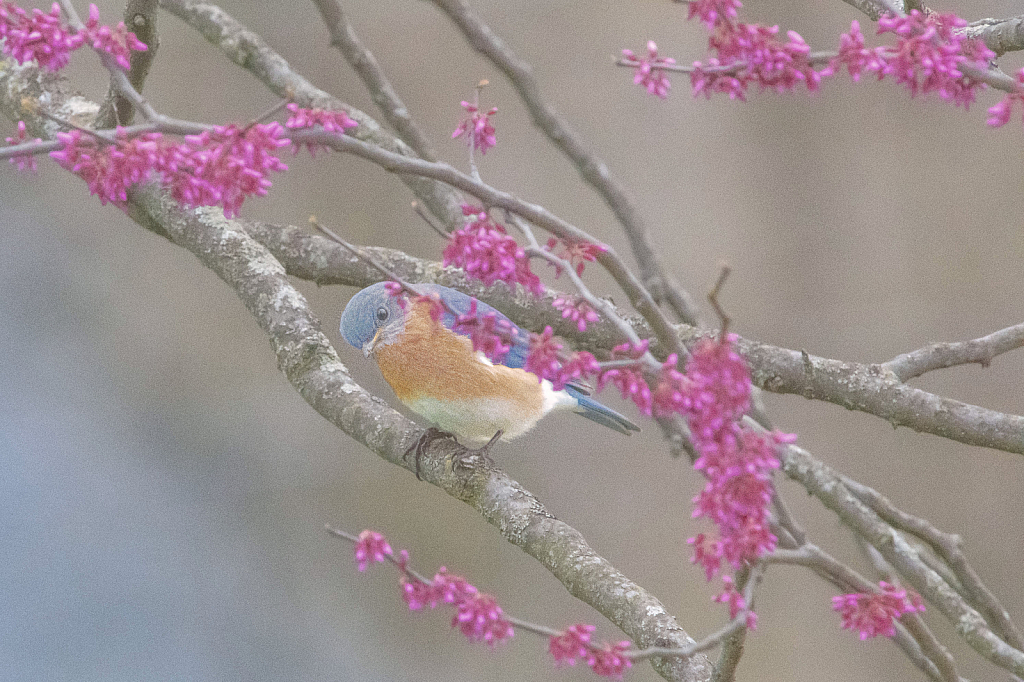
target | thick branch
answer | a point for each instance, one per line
(1000, 35)
(591, 168)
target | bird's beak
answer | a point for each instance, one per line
(371, 345)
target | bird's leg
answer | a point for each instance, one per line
(481, 452)
(419, 448)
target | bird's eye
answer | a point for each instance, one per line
(382, 314)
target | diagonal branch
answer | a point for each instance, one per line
(252, 52)
(943, 355)
(591, 168)
(344, 37)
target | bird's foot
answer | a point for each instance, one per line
(419, 448)
(467, 458)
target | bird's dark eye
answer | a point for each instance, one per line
(382, 314)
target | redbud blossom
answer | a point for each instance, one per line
(647, 74)
(27, 160)
(610, 660)
(42, 37)
(110, 169)
(481, 620)
(713, 12)
(117, 42)
(485, 251)
(435, 308)
(571, 644)
(46, 38)
(999, 114)
(396, 291)
(371, 546)
(490, 334)
(542, 358)
(629, 380)
(221, 167)
(478, 125)
(330, 121)
(579, 311)
(731, 596)
(577, 253)
(874, 614)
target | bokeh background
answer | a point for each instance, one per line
(164, 489)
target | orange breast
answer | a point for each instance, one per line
(431, 361)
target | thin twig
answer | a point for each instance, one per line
(942, 355)
(362, 61)
(591, 168)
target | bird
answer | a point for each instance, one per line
(435, 372)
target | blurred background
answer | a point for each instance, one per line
(164, 488)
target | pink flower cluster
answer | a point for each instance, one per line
(999, 114)
(485, 251)
(490, 334)
(607, 660)
(629, 379)
(649, 74)
(371, 546)
(927, 56)
(478, 124)
(736, 461)
(748, 53)
(577, 310)
(479, 617)
(47, 39)
(577, 253)
(219, 167)
(330, 121)
(875, 613)
(26, 161)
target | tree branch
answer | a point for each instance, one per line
(591, 168)
(943, 355)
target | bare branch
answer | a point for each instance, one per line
(394, 111)
(1000, 35)
(250, 51)
(591, 168)
(943, 355)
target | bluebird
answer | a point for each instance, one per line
(434, 371)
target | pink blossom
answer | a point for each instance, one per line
(928, 52)
(671, 394)
(875, 613)
(25, 160)
(648, 73)
(713, 12)
(490, 334)
(731, 596)
(223, 166)
(713, 77)
(999, 114)
(397, 291)
(855, 56)
(451, 589)
(708, 553)
(110, 169)
(435, 307)
(485, 251)
(579, 311)
(580, 366)
(331, 121)
(610, 660)
(629, 380)
(571, 644)
(371, 546)
(417, 594)
(478, 125)
(117, 42)
(766, 60)
(481, 620)
(42, 37)
(578, 253)
(542, 358)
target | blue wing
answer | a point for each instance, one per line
(460, 303)
(516, 358)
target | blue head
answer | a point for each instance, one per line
(372, 318)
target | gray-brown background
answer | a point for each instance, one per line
(164, 489)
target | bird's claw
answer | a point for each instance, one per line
(465, 459)
(419, 448)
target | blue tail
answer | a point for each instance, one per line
(596, 412)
